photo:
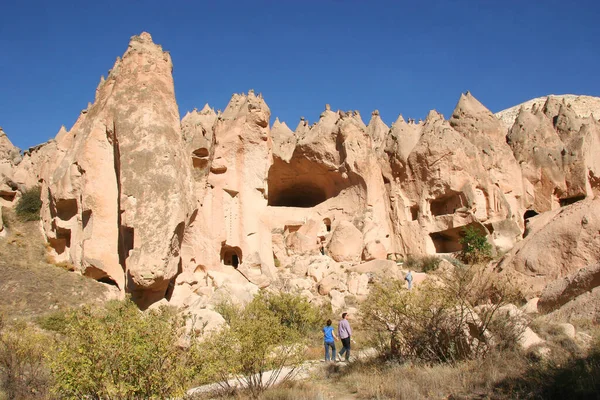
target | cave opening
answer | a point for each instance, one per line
(529, 214)
(8, 196)
(447, 204)
(66, 209)
(306, 183)
(126, 242)
(414, 212)
(108, 281)
(570, 200)
(327, 223)
(448, 241)
(303, 195)
(231, 256)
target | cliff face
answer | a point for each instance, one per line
(218, 205)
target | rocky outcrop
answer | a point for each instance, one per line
(583, 106)
(559, 243)
(220, 204)
(118, 201)
(563, 290)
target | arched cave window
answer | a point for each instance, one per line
(231, 256)
(327, 223)
(529, 214)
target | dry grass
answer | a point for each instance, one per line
(30, 286)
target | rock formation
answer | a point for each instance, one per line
(218, 205)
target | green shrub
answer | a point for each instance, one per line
(294, 312)
(256, 340)
(476, 247)
(29, 205)
(23, 373)
(118, 352)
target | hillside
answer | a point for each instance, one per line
(29, 285)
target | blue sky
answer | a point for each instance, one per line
(395, 56)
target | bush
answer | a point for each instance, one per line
(23, 373)
(476, 247)
(436, 322)
(422, 263)
(257, 340)
(294, 312)
(29, 205)
(119, 352)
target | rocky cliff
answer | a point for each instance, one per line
(219, 204)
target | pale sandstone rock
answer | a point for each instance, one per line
(116, 210)
(583, 106)
(135, 196)
(374, 250)
(346, 243)
(358, 284)
(567, 329)
(203, 320)
(541, 257)
(338, 301)
(300, 284)
(331, 282)
(529, 339)
(559, 292)
(531, 307)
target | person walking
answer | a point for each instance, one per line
(408, 278)
(345, 334)
(329, 339)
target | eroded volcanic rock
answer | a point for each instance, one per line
(220, 204)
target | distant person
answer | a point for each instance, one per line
(409, 278)
(329, 339)
(345, 333)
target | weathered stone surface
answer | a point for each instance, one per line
(120, 197)
(529, 339)
(346, 243)
(563, 290)
(557, 246)
(219, 205)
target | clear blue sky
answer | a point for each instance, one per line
(395, 56)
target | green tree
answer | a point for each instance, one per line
(118, 352)
(29, 205)
(476, 247)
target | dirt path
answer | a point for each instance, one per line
(312, 371)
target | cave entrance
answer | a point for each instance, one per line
(529, 214)
(303, 195)
(231, 256)
(570, 200)
(8, 196)
(327, 223)
(448, 241)
(447, 204)
(305, 183)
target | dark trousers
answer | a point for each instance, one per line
(346, 348)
